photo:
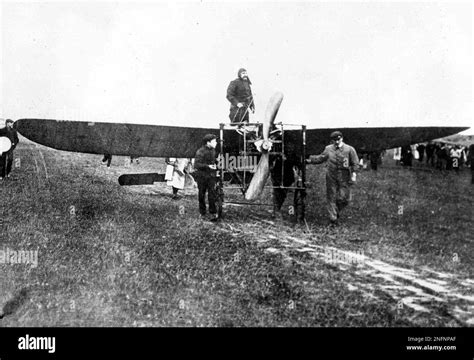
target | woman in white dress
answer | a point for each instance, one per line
(175, 174)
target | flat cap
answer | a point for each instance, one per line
(208, 137)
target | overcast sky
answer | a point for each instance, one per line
(338, 64)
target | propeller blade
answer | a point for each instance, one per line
(259, 178)
(263, 168)
(271, 112)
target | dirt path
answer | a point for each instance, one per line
(423, 290)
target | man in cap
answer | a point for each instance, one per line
(6, 160)
(206, 170)
(342, 165)
(240, 97)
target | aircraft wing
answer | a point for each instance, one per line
(172, 141)
(113, 138)
(461, 140)
(377, 139)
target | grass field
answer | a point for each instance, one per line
(132, 256)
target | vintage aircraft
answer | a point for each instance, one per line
(172, 141)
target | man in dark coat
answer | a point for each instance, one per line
(240, 97)
(374, 157)
(6, 159)
(421, 152)
(430, 152)
(407, 156)
(206, 170)
(290, 168)
(442, 156)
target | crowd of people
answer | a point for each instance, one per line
(438, 155)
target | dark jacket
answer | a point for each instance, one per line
(12, 135)
(205, 156)
(239, 91)
(276, 170)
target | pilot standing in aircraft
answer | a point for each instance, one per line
(6, 159)
(342, 165)
(206, 170)
(240, 96)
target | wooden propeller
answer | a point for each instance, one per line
(263, 168)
